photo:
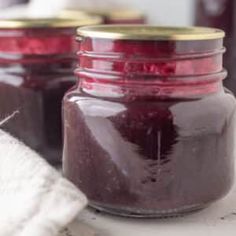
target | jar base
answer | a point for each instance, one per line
(126, 212)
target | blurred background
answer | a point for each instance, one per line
(163, 12)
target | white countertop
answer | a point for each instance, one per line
(217, 220)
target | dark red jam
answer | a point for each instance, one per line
(221, 14)
(149, 128)
(37, 59)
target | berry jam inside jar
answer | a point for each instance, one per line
(221, 14)
(37, 58)
(149, 128)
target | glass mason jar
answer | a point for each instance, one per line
(149, 128)
(37, 59)
(221, 14)
(110, 16)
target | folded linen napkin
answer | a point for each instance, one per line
(35, 200)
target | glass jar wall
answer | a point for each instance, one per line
(149, 128)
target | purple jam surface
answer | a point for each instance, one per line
(149, 156)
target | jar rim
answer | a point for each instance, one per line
(150, 32)
(57, 22)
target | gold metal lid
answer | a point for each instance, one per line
(144, 32)
(48, 22)
(112, 14)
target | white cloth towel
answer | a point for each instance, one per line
(35, 200)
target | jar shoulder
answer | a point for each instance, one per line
(210, 115)
(220, 103)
